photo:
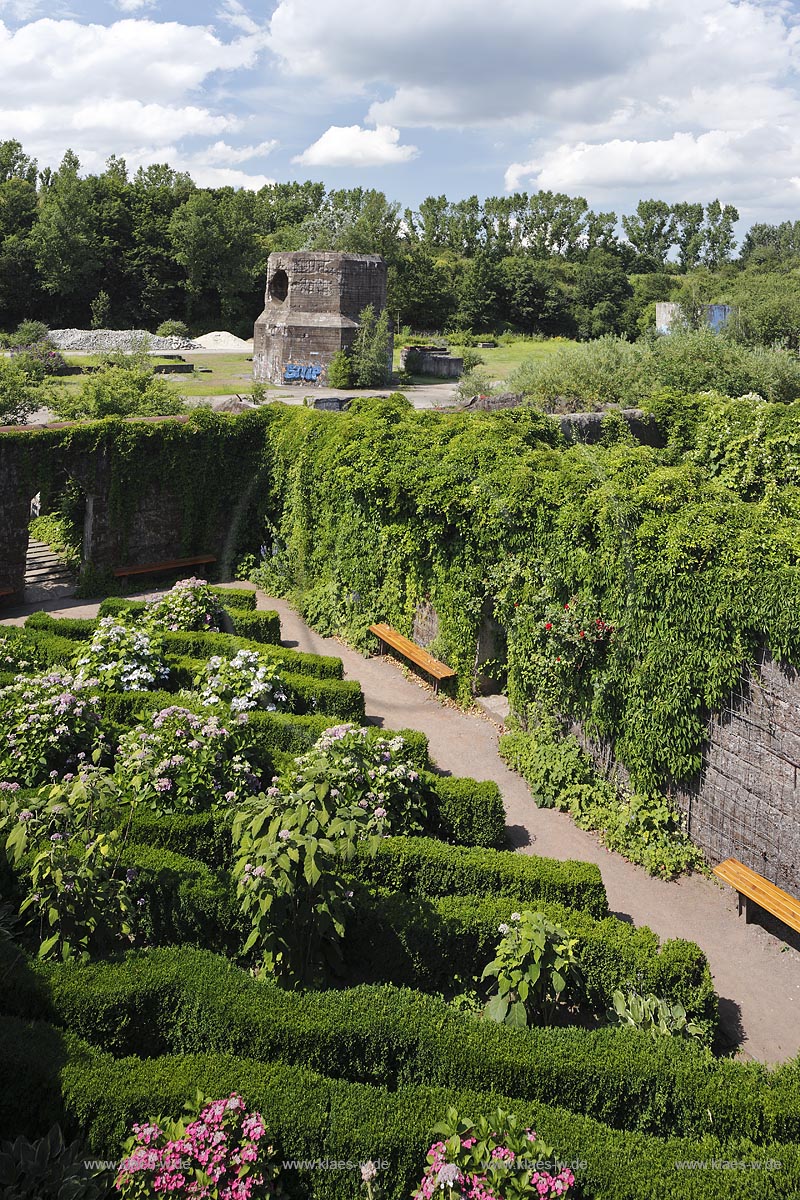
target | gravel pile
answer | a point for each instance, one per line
(96, 341)
(220, 339)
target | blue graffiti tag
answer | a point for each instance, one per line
(297, 371)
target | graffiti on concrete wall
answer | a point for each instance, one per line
(294, 372)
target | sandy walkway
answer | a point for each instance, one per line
(756, 975)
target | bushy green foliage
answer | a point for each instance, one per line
(369, 353)
(312, 1116)
(21, 392)
(49, 1169)
(614, 371)
(173, 328)
(657, 1017)
(428, 868)
(340, 370)
(124, 388)
(646, 829)
(183, 1001)
(536, 968)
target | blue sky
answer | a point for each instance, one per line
(615, 100)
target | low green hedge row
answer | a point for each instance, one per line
(426, 867)
(199, 645)
(466, 814)
(469, 813)
(186, 1001)
(316, 1120)
(435, 944)
(341, 699)
(246, 621)
(441, 944)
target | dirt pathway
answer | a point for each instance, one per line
(756, 975)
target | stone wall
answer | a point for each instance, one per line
(155, 525)
(745, 803)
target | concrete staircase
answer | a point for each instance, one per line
(46, 576)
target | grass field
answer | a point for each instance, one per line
(214, 374)
(500, 361)
(223, 374)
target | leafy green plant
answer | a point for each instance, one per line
(495, 1157)
(536, 969)
(289, 855)
(49, 1168)
(173, 328)
(369, 353)
(471, 358)
(182, 762)
(340, 370)
(657, 1017)
(366, 772)
(121, 657)
(76, 889)
(125, 387)
(101, 310)
(47, 722)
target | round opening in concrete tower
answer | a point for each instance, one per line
(279, 286)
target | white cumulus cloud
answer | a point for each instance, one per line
(354, 146)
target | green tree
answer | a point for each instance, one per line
(718, 237)
(478, 293)
(370, 350)
(688, 234)
(66, 242)
(126, 387)
(651, 231)
(420, 291)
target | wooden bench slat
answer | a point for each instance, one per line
(761, 891)
(418, 655)
(411, 650)
(172, 564)
(6, 591)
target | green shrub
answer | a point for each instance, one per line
(427, 868)
(313, 1117)
(440, 945)
(645, 829)
(340, 370)
(173, 328)
(470, 813)
(183, 1001)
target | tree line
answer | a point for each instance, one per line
(134, 249)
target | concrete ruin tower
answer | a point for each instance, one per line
(311, 309)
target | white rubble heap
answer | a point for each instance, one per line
(97, 341)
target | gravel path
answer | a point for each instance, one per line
(755, 973)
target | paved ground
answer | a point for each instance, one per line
(756, 974)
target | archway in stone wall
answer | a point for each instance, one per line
(54, 551)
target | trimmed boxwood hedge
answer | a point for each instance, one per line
(311, 1117)
(341, 699)
(469, 813)
(424, 943)
(185, 1001)
(441, 944)
(425, 867)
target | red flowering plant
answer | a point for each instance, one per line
(218, 1152)
(491, 1159)
(575, 634)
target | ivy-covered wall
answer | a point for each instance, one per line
(631, 584)
(154, 489)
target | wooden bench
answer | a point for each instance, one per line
(174, 564)
(754, 889)
(6, 591)
(390, 637)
